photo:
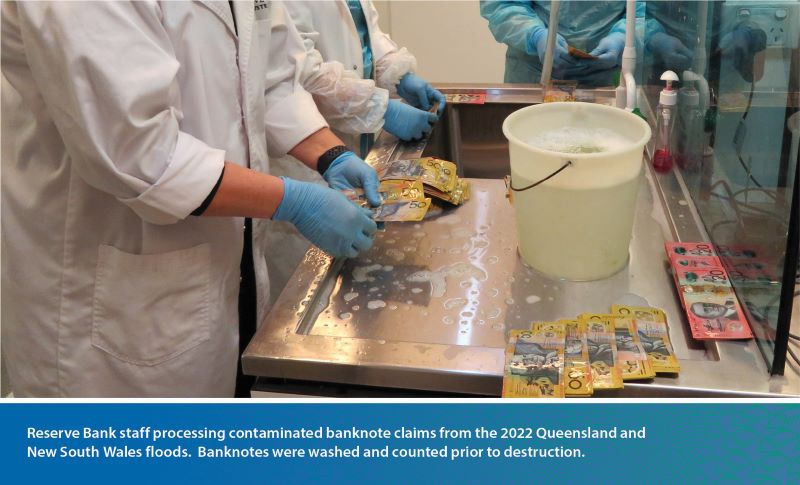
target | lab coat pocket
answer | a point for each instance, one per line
(150, 308)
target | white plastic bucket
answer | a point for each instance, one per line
(576, 225)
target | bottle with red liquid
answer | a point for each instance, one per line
(665, 122)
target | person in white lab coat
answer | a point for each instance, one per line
(352, 69)
(135, 116)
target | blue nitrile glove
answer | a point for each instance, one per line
(326, 218)
(407, 122)
(419, 94)
(608, 52)
(671, 51)
(348, 171)
(537, 44)
(742, 45)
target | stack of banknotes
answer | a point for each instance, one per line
(407, 187)
(705, 291)
(573, 358)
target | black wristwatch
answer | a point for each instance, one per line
(326, 159)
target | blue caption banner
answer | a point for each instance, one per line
(401, 443)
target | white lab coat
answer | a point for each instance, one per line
(334, 68)
(110, 288)
(333, 73)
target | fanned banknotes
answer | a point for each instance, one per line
(438, 177)
(535, 363)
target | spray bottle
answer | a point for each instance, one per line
(689, 128)
(665, 121)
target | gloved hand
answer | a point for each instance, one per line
(419, 94)
(407, 122)
(326, 218)
(608, 52)
(537, 43)
(348, 171)
(742, 45)
(675, 56)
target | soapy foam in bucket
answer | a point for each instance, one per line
(569, 139)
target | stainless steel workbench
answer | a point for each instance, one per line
(430, 305)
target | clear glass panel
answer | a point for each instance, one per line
(736, 137)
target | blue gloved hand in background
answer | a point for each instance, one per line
(608, 52)
(673, 54)
(419, 94)
(348, 171)
(741, 45)
(537, 44)
(407, 122)
(326, 218)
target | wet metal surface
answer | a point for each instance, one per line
(430, 306)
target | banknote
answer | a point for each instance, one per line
(401, 190)
(575, 52)
(715, 316)
(460, 194)
(468, 98)
(402, 200)
(535, 363)
(577, 370)
(602, 344)
(403, 211)
(439, 174)
(690, 249)
(679, 261)
(390, 191)
(560, 91)
(703, 280)
(653, 329)
(633, 360)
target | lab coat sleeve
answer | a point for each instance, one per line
(291, 114)
(512, 23)
(391, 61)
(350, 104)
(107, 73)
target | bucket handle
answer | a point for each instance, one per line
(510, 183)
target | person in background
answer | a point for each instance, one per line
(354, 71)
(596, 27)
(672, 31)
(136, 138)
(353, 68)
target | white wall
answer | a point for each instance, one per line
(384, 14)
(450, 39)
